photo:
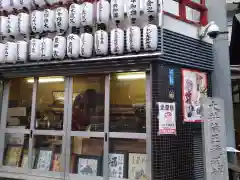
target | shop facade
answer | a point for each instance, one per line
(97, 118)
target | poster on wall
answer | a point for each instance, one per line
(166, 118)
(214, 135)
(194, 87)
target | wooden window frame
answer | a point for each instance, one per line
(200, 7)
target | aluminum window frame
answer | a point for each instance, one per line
(66, 134)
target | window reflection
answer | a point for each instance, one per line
(50, 103)
(47, 153)
(19, 105)
(88, 103)
(127, 158)
(171, 6)
(86, 156)
(16, 148)
(127, 102)
(193, 15)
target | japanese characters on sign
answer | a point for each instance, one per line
(55, 46)
(214, 139)
(133, 8)
(166, 118)
(59, 18)
(115, 9)
(33, 21)
(116, 165)
(137, 166)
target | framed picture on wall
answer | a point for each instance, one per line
(89, 165)
(44, 159)
(137, 166)
(13, 154)
(117, 163)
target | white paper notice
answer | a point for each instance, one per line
(166, 118)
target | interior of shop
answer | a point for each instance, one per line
(126, 115)
(236, 110)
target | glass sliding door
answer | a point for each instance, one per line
(15, 125)
(47, 150)
(127, 158)
(86, 117)
(32, 127)
(92, 127)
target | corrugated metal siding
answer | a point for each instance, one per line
(178, 49)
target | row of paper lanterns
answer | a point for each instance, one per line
(74, 45)
(78, 15)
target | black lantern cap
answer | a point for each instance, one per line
(88, 29)
(102, 26)
(133, 20)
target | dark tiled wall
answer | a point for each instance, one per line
(174, 157)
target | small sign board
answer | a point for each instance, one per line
(214, 139)
(166, 118)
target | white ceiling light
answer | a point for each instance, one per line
(130, 76)
(47, 79)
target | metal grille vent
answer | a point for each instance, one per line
(187, 51)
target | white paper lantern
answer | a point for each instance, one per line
(86, 44)
(22, 51)
(11, 52)
(49, 20)
(12, 25)
(37, 21)
(101, 42)
(52, 1)
(133, 8)
(59, 47)
(39, 2)
(73, 46)
(117, 10)
(103, 11)
(61, 19)
(133, 39)
(86, 14)
(150, 7)
(26, 3)
(117, 41)
(23, 23)
(46, 48)
(74, 15)
(7, 5)
(150, 37)
(2, 53)
(35, 53)
(4, 27)
(17, 4)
